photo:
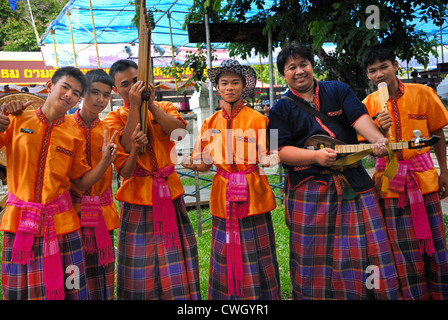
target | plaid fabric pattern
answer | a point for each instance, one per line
(420, 276)
(25, 282)
(100, 280)
(146, 268)
(260, 268)
(334, 241)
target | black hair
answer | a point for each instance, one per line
(291, 50)
(120, 66)
(98, 75)
(72, 72)
(380, 52)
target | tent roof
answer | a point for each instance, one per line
(113, 22)
(113, 28)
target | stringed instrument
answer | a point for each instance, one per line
(144, 72)
(321, 141)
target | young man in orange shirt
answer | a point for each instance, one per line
(243, 259)
(157, 249)
(96, 207)
(411, 200)
(42, 245)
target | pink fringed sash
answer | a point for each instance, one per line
(237, 205)
(94, 231)
(405, 184)
(29, 226)
(164, 215)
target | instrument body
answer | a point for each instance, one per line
(321, 141)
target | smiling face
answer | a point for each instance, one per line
(64, 94)
(230, 85)
(298, 74)
(97, 97)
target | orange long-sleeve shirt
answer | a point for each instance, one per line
(138, 190)
(94, 136)
(235, 144)
(415, 107)
(41, 161)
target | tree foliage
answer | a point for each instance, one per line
(16, 27)
(347, 24)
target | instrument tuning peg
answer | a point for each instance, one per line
(417, 135)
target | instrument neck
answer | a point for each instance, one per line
(351, 148)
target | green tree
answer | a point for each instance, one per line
(16, 27)
(347, 24)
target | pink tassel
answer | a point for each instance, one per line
(402, 200)
(170, 239)
(58, 294)
(426, 245)
(89, 244)
(105, 256)
(158, 227)
(22, 257)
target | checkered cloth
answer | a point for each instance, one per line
(25, 281)
(149, 270)
(405, 183)
(420, 276)
(333, 241)
(100, 279)
(260, 268)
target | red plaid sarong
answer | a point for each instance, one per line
(405, 184)
(237, 204)
(29, 227)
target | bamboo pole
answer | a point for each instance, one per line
(94, 35)
(172, 48)
(34, 24)
(71, 35)
(54, 48)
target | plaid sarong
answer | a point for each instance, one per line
(420, 276)
(33, 214)
(25, 281)
(405, 183)
(149, 270)
(339, 247)
(100, 279)
(260, 268)
(237, 206)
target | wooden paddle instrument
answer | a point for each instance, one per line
(321, 141)
(384, 97)
(144, 64)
